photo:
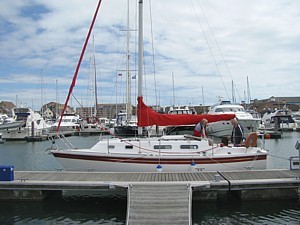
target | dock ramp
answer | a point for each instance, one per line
(159, 204)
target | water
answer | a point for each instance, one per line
(110, 208)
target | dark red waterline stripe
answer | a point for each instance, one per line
(163, 161)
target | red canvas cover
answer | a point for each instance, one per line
(148, 117)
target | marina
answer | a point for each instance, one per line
(36, 169)
(128, 151)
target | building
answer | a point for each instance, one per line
(103, 110)
(55, 109)
(264, 105)
(6, 107)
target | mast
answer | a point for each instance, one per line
(233, 95)
(57, 104)
(78, 65)
(140, 56)
(248, 91)
(173, 89)
(95, 79)
(42, 83)
(203, 97)
(128, 83)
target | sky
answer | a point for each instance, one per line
(195, 51)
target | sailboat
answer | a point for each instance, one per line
(126, 122)
(166, 153)
(92, 122)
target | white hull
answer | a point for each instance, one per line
(11, 125)
(281, 125)
(283, 117)
(87, 165)
(224, 128)
(28, 123)
(69, 122)
(22, 134)
(63, 127)
(113, 155)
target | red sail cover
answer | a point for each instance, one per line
(148, 117)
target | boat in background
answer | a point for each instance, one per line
(4, 118)
(224, 128)
(125, 126)
(7, 122)
(27, 124)
(296, 117)
(69, 122)
(126, 122)
(11, 125)
(283, 117)
(183, 129)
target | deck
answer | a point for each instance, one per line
(159, 198)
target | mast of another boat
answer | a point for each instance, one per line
(173, 89)
(95, 79)
(128, 83)
(140, 56)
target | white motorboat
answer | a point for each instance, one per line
(166, 153)
(91, 124)
(283, 117)
(296, 117)
(27, 123)
(184, 129)
(224, 128)
(69, 122)
(7, 122)
(11, 125)
(4, 118)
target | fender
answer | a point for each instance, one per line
(251, 140)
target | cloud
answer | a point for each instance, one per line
(205, 44)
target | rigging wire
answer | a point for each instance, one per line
(77, 100)
(217, 44)
(153, 53)
(209, 47)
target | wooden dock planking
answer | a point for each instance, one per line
(163, 198)
(154, 177)
(261, 174)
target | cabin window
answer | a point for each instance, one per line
(189, 146)
(162, 146)
(128, 146)
(111, 146)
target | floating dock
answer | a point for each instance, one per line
(271, 133)
(163, 198)
(92, 133)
